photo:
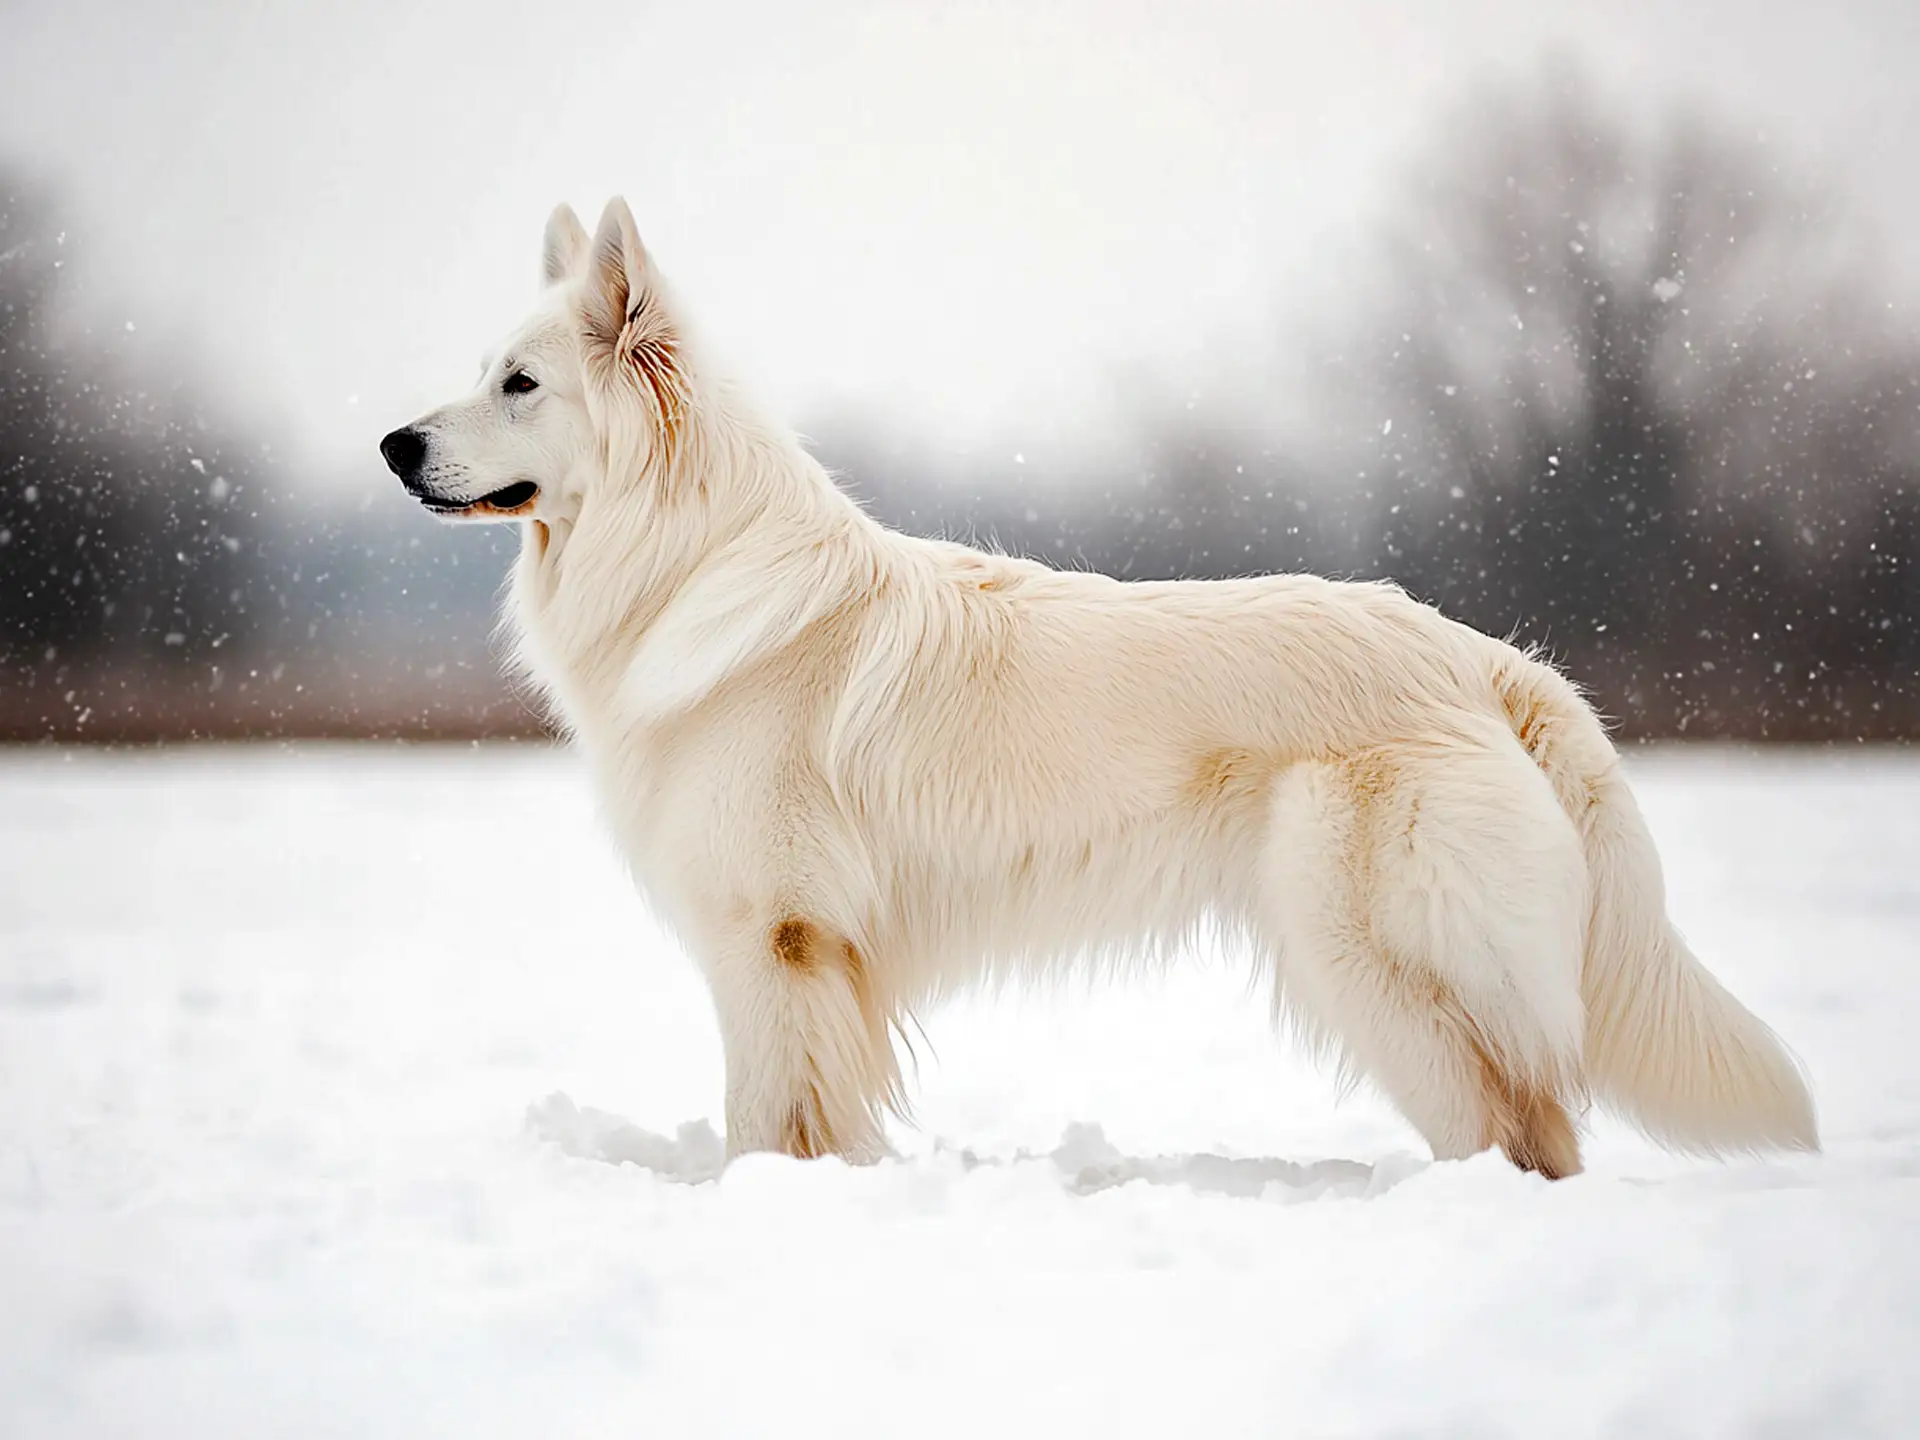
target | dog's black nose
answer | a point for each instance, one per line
(404, 450)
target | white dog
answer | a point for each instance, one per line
(856, 771)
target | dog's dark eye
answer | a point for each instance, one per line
(519, 383)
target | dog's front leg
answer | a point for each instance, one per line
(810, 1063)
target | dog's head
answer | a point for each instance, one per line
(599, 356)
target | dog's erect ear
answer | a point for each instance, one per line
(616, 273)
(564, 247)
(629, 333)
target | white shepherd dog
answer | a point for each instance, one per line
(857, 771)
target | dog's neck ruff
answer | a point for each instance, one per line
(688, 574)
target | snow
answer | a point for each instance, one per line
(351, 1093)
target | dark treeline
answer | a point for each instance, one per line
(1614, 389)
(124, 513)
(162, 574)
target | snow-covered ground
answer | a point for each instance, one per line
(351, 1093)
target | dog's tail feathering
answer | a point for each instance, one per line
(1666, 1046)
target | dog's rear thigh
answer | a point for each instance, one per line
(1424, 908)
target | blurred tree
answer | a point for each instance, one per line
(1210, 495)
(1623, 374)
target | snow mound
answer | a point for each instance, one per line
(1086, 1161)
(1091, 1163)
(694, 1153)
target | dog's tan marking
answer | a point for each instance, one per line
(1542, 1138)
(503, 512)
(1524, 1118)
(1231, 775)
(1529, 717)
(980, 572)
(807, 1134)
(795, 944)
(656, 361)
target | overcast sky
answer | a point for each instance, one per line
(968, 214)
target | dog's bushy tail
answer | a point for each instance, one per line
(1665, 1044)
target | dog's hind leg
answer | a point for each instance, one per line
(810, 1061)
(1427, 904)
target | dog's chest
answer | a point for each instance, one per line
(714, 807)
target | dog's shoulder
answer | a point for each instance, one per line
(749, 599)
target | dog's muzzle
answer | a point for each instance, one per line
(405, 452)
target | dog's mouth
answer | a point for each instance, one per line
(507, 500)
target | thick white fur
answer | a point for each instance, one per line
(857, 770)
